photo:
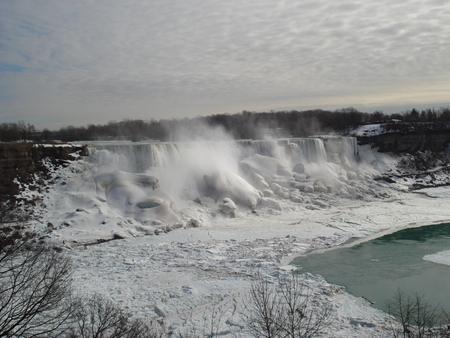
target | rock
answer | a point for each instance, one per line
(409, 137)
(20, 162)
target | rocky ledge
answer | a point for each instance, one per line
(19, 162)
(406, 137)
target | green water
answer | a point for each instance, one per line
(376, 269)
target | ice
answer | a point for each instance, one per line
(137, 196)
(183, 258)
(441, 257)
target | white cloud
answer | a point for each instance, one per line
(90, 61)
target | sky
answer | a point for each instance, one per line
(80, 62)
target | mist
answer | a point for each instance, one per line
(205, 167)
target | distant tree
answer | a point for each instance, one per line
(46, 135)
(444, 114)
(397, 116)
(377, 116)
(411, 115)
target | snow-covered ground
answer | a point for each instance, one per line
(198, 270)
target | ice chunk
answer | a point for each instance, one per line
(441, 257)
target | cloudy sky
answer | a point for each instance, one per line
(77, 62)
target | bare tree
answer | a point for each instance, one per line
(35, 288)
(264, 308)
(288, 309)
(415, 316)
(98, 317)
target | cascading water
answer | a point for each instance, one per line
(309, 150)
(344, 147)
(138, 157)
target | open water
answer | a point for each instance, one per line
(378, 268)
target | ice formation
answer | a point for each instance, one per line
(136, 195)
(125, 189)
(442, 257)
(243, 172)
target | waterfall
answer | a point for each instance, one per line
(344, 147)
(308, 150)
(138, 157)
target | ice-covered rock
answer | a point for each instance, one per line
(319, 187)
(299, 168)
(306, 186)
(228, 207)
(225, 183)
(254, 178)
(137, 196)
(270, 203)
(300, 177)
(268, 193)
(270, 168)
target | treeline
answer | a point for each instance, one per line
(244, 125)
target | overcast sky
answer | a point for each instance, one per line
(77, 62)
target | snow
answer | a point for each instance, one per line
(189, 262)
(369, 130)
(57, 145)
(137, 196)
